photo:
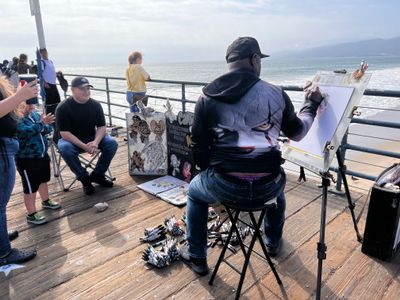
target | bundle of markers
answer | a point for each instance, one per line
(160, 259)
(170, 250)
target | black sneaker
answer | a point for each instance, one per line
(274, 250)
(198, 265)
(16, 256)
(101, 180)
(88, 188)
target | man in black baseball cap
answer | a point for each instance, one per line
(237, 122)
(80, 82)
(81, 125)
(243, 47)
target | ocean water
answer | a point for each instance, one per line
(385, 75)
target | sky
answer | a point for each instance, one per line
(105, 31)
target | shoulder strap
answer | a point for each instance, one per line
(44, 64)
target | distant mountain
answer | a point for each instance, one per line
(374, 47)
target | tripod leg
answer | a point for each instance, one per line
(342, 169)
(321, 247)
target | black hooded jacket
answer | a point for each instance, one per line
(237, 122)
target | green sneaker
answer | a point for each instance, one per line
(50, 204)
(36, 219)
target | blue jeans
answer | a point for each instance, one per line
(108, 146)
(8, 149)
(209, 187)
(130, 98)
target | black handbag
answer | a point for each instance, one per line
(382, 230)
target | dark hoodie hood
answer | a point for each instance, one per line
(231, 86)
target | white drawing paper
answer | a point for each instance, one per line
(329, 115)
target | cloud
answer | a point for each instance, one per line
(95, 31)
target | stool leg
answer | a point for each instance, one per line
(221, 256)
(257, 233)
(246, 261)
(237, 231)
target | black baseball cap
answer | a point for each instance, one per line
(80, 82)
(243, 47)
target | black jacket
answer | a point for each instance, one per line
(238, 120)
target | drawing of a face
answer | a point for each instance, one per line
(175, 162)
(185, 118)
(158, 128)
(144, 131)
(246, 130)
(134, 127)
(186, 171)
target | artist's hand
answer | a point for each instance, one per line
(313, 93)
(27, 91)
(47, 119)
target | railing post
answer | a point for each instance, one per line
(183, 97)
(342, 151)
(108, 103)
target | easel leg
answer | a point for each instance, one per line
(342, 170)
(321, 246)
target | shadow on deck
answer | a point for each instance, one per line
(83, 254)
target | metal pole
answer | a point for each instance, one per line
(183, 98)
(35, 11)
(108, 103)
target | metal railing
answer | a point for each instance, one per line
(184, 101)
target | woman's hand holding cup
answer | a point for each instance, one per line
(27, 90)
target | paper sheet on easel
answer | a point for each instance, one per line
(328, 117)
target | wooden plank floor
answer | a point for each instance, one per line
(87, 255)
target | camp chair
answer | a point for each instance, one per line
(87, 161)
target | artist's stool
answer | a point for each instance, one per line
(234, 211)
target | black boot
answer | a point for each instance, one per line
(88, 188)
(101, 180)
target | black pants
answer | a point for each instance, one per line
(52, 98)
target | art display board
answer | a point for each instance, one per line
(168, 188)
(180, 159)
(147, 143)
(317, 149)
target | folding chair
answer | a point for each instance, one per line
(88, 162)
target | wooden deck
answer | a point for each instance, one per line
(83, 254)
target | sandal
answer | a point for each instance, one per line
(17, 256)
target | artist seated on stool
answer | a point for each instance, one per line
(81, 125)
(236, 125)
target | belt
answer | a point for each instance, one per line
(256, 181)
